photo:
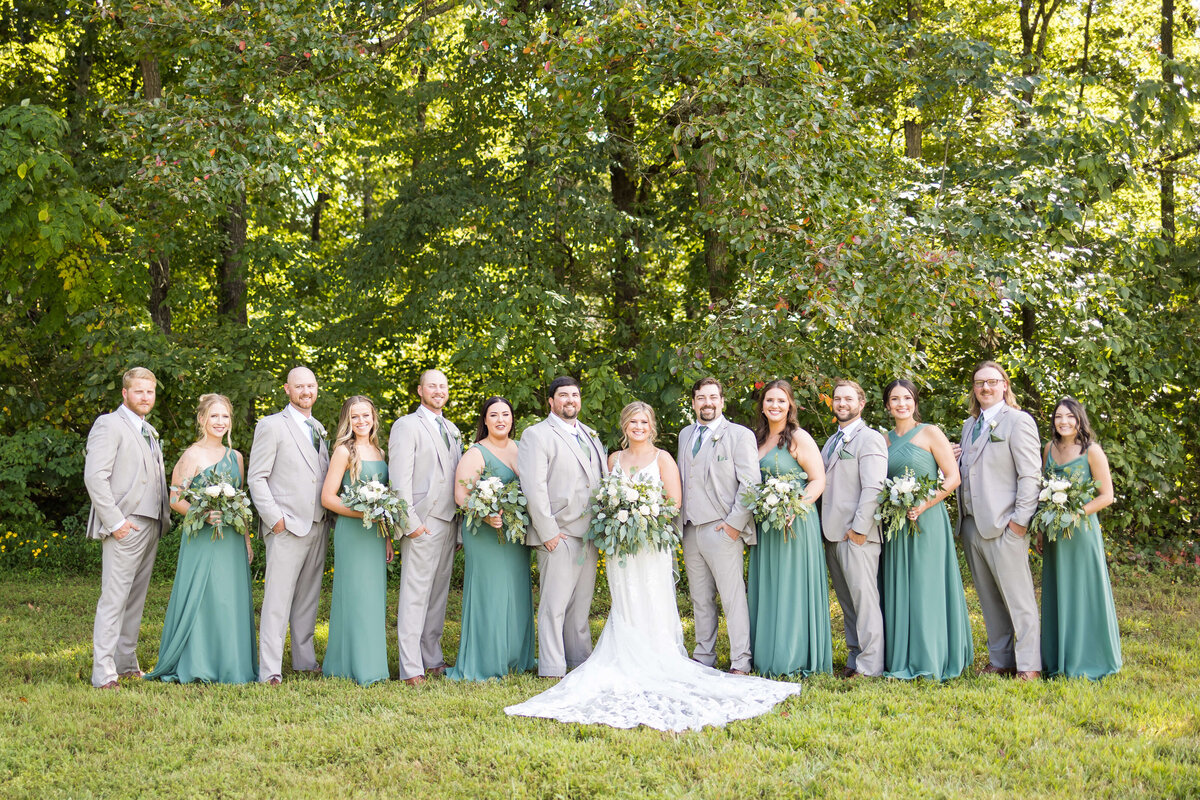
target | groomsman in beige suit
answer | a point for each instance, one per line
(855, 469)
(561, 462)
(126, 481)
(1001, 466)
(718, 462)
(288, 461)
(423, 452)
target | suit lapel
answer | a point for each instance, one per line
(569, 438)
(439, 446)
(302, 441)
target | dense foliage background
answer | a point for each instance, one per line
(633, 192)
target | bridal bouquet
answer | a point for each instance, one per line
(899, 496)
(215, 492)
(629, 514)
(489, 495)
(379, 504)
(777, 502)
(1060, 504)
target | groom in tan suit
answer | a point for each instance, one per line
(855, 469)
(718, 462)
(1001, 468)
(288, 461)
(561, 462)
(126, 482)
(423, 453)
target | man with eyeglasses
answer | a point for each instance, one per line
(1001, 468)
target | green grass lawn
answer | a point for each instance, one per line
(1135, 734)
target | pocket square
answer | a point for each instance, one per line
(994, 438)
(845, 454)
(722, 458)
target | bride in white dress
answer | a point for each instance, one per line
(639, 672)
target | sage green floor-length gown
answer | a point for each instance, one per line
(208, 634)
(1080, 637)
(788, 592)
(357, 646)
(927, 632)
(497, 607)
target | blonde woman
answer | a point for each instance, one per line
(208, 634)
(357, 646)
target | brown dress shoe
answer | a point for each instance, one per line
(109, 685)
(1029, 675)
(436, 672)
(274, 681)
(738, 672)
(992, 669)
(133, 673)
(415, 680)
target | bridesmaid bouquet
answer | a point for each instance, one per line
(379, 504)
(215, 492)
(1060, 504)
(778, 502)
(629, 514)
(899, 496)
(490, 495)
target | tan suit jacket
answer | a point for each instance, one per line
(558, 478)
(285, 475)
(715, 479)
(1001, 471)
(421, 467)
(854, 475)
(122, 473)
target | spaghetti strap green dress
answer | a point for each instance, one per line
(208, 634)
(1080, 637)
(788, 592)
(497, 606)
(357, 646)
(927, 633)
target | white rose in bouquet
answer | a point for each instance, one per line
(1059, 498)
(213, 491)
(622, 516)
(228, 490)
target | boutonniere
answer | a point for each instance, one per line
(992, 437)
(845, 454)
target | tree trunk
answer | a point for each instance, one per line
(1166, 189)
(231, 271)
(913, 129)
(314, 233)
(717, 261)
(1087, 41)
(627, 260)
(160, 261)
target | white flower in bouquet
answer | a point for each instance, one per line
(209, 495)
(630, 513)
(1061, 503)
(777, 502)
(900, 495)
(490, 496)
(379, 505)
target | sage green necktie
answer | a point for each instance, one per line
(978, 429)
(699, 440)
(837, 440)
(442, 427)
(587, 451)
(148, 436)
(316, 434)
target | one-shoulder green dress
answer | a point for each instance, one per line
(1080, 637)
(927, 632)
(208, 634)
(788, 593)
(497, 606)
(357, 646)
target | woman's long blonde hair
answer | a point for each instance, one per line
(345, 435)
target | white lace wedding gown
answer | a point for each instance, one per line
(639, 672)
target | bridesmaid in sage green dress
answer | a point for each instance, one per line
(357, 647)
(497, 607)
(788, 594)
(1080, 637)
(927, 630)
(208, 634)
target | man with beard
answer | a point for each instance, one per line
(423, 453)
(1001, 468)
(718, 462)
(855, 469)
(127, 484)
(561, 462)
(288, 461)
